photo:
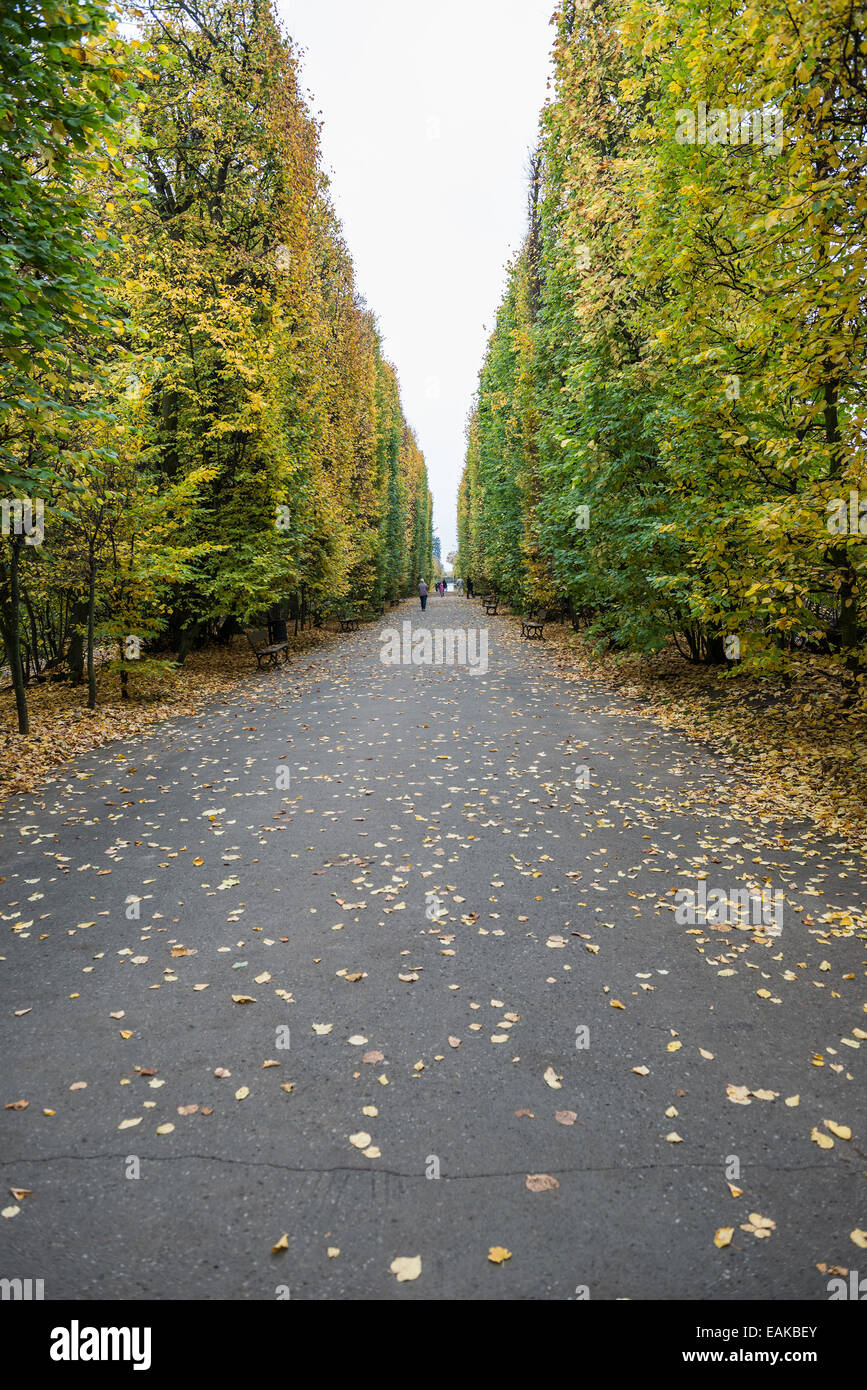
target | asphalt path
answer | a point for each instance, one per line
(463, 965)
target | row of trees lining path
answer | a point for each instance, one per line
(669, 434)
(196, 417)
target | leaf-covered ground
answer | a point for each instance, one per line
(62, 726)
(800, 751)
(353, 986)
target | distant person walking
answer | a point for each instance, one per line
(469, 587)
(422, 593)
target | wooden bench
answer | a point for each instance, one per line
(491, 603)
(532, 627)
(349, 623)
(265, 651)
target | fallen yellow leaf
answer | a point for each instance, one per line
(406, 1267)
(823, 1140)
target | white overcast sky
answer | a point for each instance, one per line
(430, 111)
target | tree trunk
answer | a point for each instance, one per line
(188, 637)
(34, 637)
(13, 639)
(75, 651)
(848, 588)
(91, 605)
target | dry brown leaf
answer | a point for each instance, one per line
(541, 1182)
